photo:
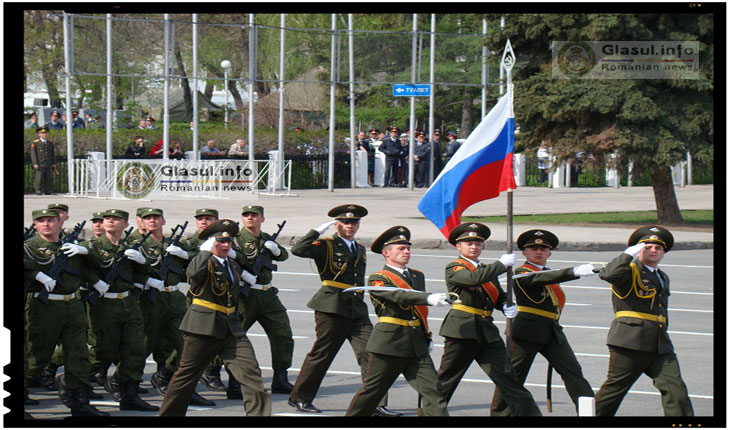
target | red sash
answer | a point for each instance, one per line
(420, 310)
(489, 287)
(559, 293)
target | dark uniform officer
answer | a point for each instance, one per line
(212, 326)
(391, 147)
(436, 151)
(338, 316)
(43, 157)
(400, 341)
(536, 329)
(261, 303)
(62, 318)
(638, 341)
(451, 147)
(469, 330)
(421, 154)
(116, 318)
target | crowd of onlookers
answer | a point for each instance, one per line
(58, 121)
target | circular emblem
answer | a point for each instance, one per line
(575, 59)
(538, 240)
(135, 180)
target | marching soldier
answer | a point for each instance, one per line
(638, 341)
(400, 342)
(43, 157)
(212, 326)
(339, 316)
(97, 224)
(62, 317)
(536, 329)
(469, 330)
(261, 303)
(116, 318)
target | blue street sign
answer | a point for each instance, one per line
(407, 90)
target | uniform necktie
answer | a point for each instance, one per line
(661, 281)
(228, 270)
(407, 275)
(353, 247)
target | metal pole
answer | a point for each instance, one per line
(251, 77)
(508, 61)
(412, 126)
(69, 127)
(331, 152)
(431, 101)
(689, 168)
(281, 99)
(109, 113)
(166, 100)
(196, 154)
(485, 70)
(351, 54)
(501, 66)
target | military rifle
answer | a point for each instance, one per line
(29, 232)
(59, 265)
(263, 260)
(94, 295)
(166, 265)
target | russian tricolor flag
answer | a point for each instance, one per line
(480, 169)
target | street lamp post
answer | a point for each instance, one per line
(226, 66)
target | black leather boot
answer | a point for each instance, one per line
(234, 388)
(212, 378)
(130, 399)
(113, 387)
(280, 383)
(47, 375)
(80, 406)
(99, 376)
(63, 393)
(161, 379)
(198, 400)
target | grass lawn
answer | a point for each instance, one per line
(696, 218)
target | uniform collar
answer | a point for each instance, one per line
(399, 270)
(475, 263)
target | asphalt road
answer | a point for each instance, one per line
(586, 320)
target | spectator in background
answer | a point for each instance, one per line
(436, 152)
(391, 148)
(94, 123)
(451, 146)
(88, 119)
(151, 123)
(421, 153)
(238, 149)
(543, 161)
(176, 152)
(32, 121)
(210, 151)
(371, 145)
(54, 123)
(76, 121)
(405, 140)
(142, 125)
(136, 149)
(157, 150)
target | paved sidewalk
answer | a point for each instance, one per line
(306, 209)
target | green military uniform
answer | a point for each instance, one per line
(638, 340)
(212, 326)
(536, 329)
(116, 318)
(399, 342)
(338, 316)
(469, 327)
(262, 304)
(43, 155)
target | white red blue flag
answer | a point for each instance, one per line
(480, 169)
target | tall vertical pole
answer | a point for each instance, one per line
(485, 70)
(412, 123)
(351, 56)
(196, 154)
(166, 99)
(501, 66)
(508, 61)
(331, 152)
(225, 91)
(431, 125)
(109, 112)
(282, 48)
(251, 78)
(69, 127)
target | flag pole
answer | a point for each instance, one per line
(508, 61)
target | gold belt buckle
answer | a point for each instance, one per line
(169, 289)
(120, 295)
(265, 287)
(661, 319)
(67, 297)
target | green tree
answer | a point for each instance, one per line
(654, 123)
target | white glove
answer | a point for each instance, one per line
(232, 253)
(177, 252)
(138, 285)
(248, 277)
(155, 283)
(322, 228)
(583, 270)
(509, 311)
(101, 286)
(635, 250)
(430, 346)
(438, 299)
(135, 256)
(71, 249)
(208, 244)
(507, 259)
(273, 247)
(46, 280)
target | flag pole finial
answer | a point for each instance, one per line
(508, 60)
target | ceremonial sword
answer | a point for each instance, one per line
(455, 296)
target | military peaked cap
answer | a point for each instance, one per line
(537, 238)
(469, 231)
(393, 236)
(652, 234)
(348, 212)
(224, 229)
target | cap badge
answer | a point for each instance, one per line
(401, 237)
(44, 211)
(349, 214)
(538, 240)
(226, 222)
(225, 234)
(539, 233)
(472, 233)
(653, 236)
(352, 208)
(473, 226)
(654, 229)
(401, 230)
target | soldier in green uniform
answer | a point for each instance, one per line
(536, 329)
(43, 157)
(116, 318)
(261, 302)
(638, 341)
(469, 330)
(401, 341)
(212, 326)
(338, 316)
(62, 317)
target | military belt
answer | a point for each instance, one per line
(109, 295)
(64, 297)
(210, 305)
(340, 285)
(171, 288)
(261, 287)
(481, 312)
(542, 313)
(398, 321)
(650, 317)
